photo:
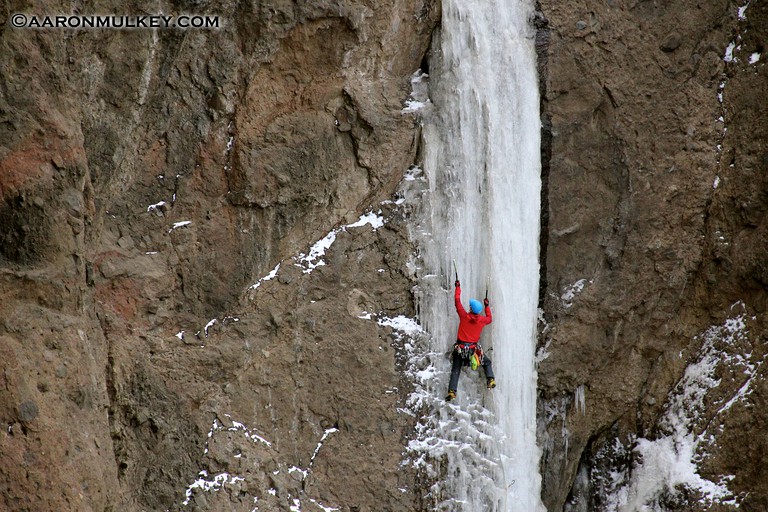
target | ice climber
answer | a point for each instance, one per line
(468, 341)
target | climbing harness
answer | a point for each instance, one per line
(470, 353)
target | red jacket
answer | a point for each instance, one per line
(470, 324)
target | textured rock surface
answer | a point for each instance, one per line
(656, 218)
(147, 179)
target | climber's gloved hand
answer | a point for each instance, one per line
(456, 284)
(486, 302)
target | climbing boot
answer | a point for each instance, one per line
(451, 395)
(491, 383)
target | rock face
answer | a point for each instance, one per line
(147, 180)
(165, 329)
(654, 253)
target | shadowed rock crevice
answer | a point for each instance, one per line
(24, 230)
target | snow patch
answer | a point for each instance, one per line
(295, 469)
(312, 260)
(742, 12)
(375, 220)
(208, 326)
(180, 224)
(156, 206)
(214, 484)
(322, 507)
(570, 292)
(668, 463)
(419, 97)
(754, 58)
(402, 323)
(268, 277)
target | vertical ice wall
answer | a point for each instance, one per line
(481, 208)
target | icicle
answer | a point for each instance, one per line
(579, 400)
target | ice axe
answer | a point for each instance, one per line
(487, 285)
(456, 271)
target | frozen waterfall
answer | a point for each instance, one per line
(480, 206)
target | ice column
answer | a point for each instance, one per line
(482, 165)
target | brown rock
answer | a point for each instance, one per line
(265, 135)
(668, 241)
(259, 138)
(672, 42)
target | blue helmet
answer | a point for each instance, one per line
(475, 306)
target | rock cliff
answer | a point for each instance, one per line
(201, 248)
(651, 376)
(150, 180)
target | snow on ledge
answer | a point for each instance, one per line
(268, 277)
(313, 259)
(155, 206)
(742, 12)
(669, 462)
(412, 106)
(419, 97)
(401, 323)
(181, 224)
(215, 484)
(375, 220)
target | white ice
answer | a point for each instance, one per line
(479, 205)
